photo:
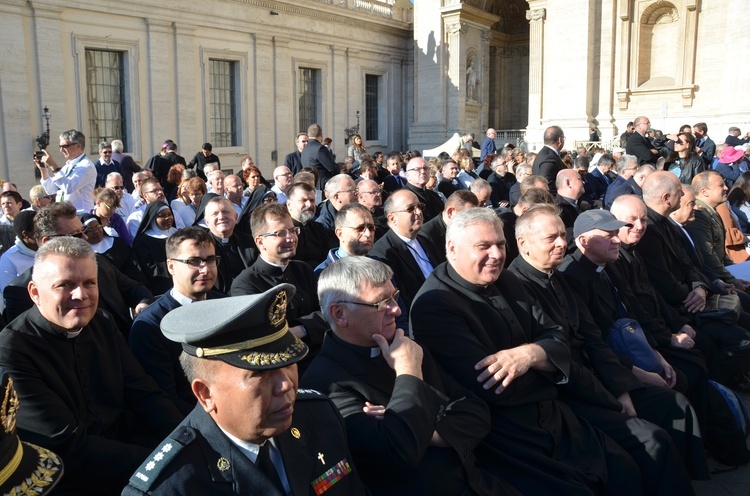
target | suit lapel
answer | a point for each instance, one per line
(405, 254)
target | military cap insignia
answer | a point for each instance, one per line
(277, 309)
(295, 433)
(331, 476)
(9, 408)
(222, 464)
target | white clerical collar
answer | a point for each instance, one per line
(375, 352)
(282, 267)
(73, 335)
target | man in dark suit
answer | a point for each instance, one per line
(410, 260)
(733, 138)
(640, 145)
(489, 335)
(394, 398)
(318, 156)
(106, 164)
(193, 264)
(598, 180)
(569, 190)
(433, 232)
(393, 180)
(129, 167)
(547, 162)
(502, 181)
(417, 175)
(236, 250)
(601, 388)
(706, 146)
(294, 159)
(251, 432)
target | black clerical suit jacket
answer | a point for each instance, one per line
(406, 272)
(547, 164)
(433, 233)
(318, 156)
(433, 204)
(394, 454)
(199, 459)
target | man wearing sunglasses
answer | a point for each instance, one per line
(411, 428)
(73, 182)
(193, 265)
(411, 261)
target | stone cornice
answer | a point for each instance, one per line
(470, 14)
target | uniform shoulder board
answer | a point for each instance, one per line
(160, 458)
(310, 394)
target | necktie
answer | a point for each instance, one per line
(266, 466)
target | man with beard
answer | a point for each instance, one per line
(192, 262)
(355, 231)
(314, 240)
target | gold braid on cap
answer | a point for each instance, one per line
(244, 345)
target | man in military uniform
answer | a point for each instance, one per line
(252, 432)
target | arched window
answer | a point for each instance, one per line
(659, 46)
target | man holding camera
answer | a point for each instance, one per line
(74, 182)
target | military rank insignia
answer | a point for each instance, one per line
(331, 476)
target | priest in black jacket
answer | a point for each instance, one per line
(602, 389)
(411, 428)
(276, 238)
(84, 395)
(481, 326)
(236, 249)
(314, 240)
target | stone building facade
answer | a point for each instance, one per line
(247, 75)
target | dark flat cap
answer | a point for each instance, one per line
(249, 332)
(596, 219)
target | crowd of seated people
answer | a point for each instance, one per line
(457, 312)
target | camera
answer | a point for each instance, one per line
(38, 155)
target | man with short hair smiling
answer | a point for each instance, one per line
(82, 390)
(151, 191)
(479, 324)
(74, 182)
(314, 240)
(371, 196)
(106, 164)
(192, 262)
(418, 175)
(433, 232)
(236, 250)
(340, 190)
(276, 239)
(394, 397)
(410, 260)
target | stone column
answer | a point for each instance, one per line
(263, 124)
(188, 133)
(605, 103)
(161, 85)
(286, 126)
(536, 19)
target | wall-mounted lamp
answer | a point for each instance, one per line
(43, 140)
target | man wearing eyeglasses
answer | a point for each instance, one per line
(371, 196)
(106, 164)
(115, 182)
(340, 191)
(74, 182)
(411, 261)
(355, 231)
(417, 177)
(411, 428)
(282, 177)
(119, 292)
(294, 159)
(193, 265)
(276, 238)
(82, 390)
